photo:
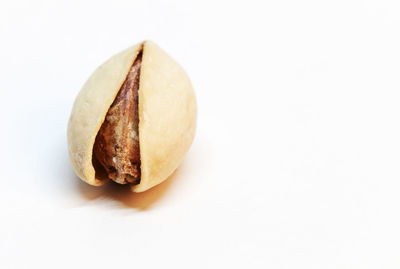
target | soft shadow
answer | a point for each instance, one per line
(124, 195)
(88, 192)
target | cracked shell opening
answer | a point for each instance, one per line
(116, 151)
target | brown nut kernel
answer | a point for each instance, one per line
(134, 119)
(117, 143)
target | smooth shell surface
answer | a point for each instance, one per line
(167, 114)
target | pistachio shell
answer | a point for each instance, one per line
(167, 114)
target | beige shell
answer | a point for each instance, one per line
(167, 114)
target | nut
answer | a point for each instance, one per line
(116, 147)
(134, 119)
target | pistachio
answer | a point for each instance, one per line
(134, 119)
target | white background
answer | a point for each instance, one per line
(297, 154)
